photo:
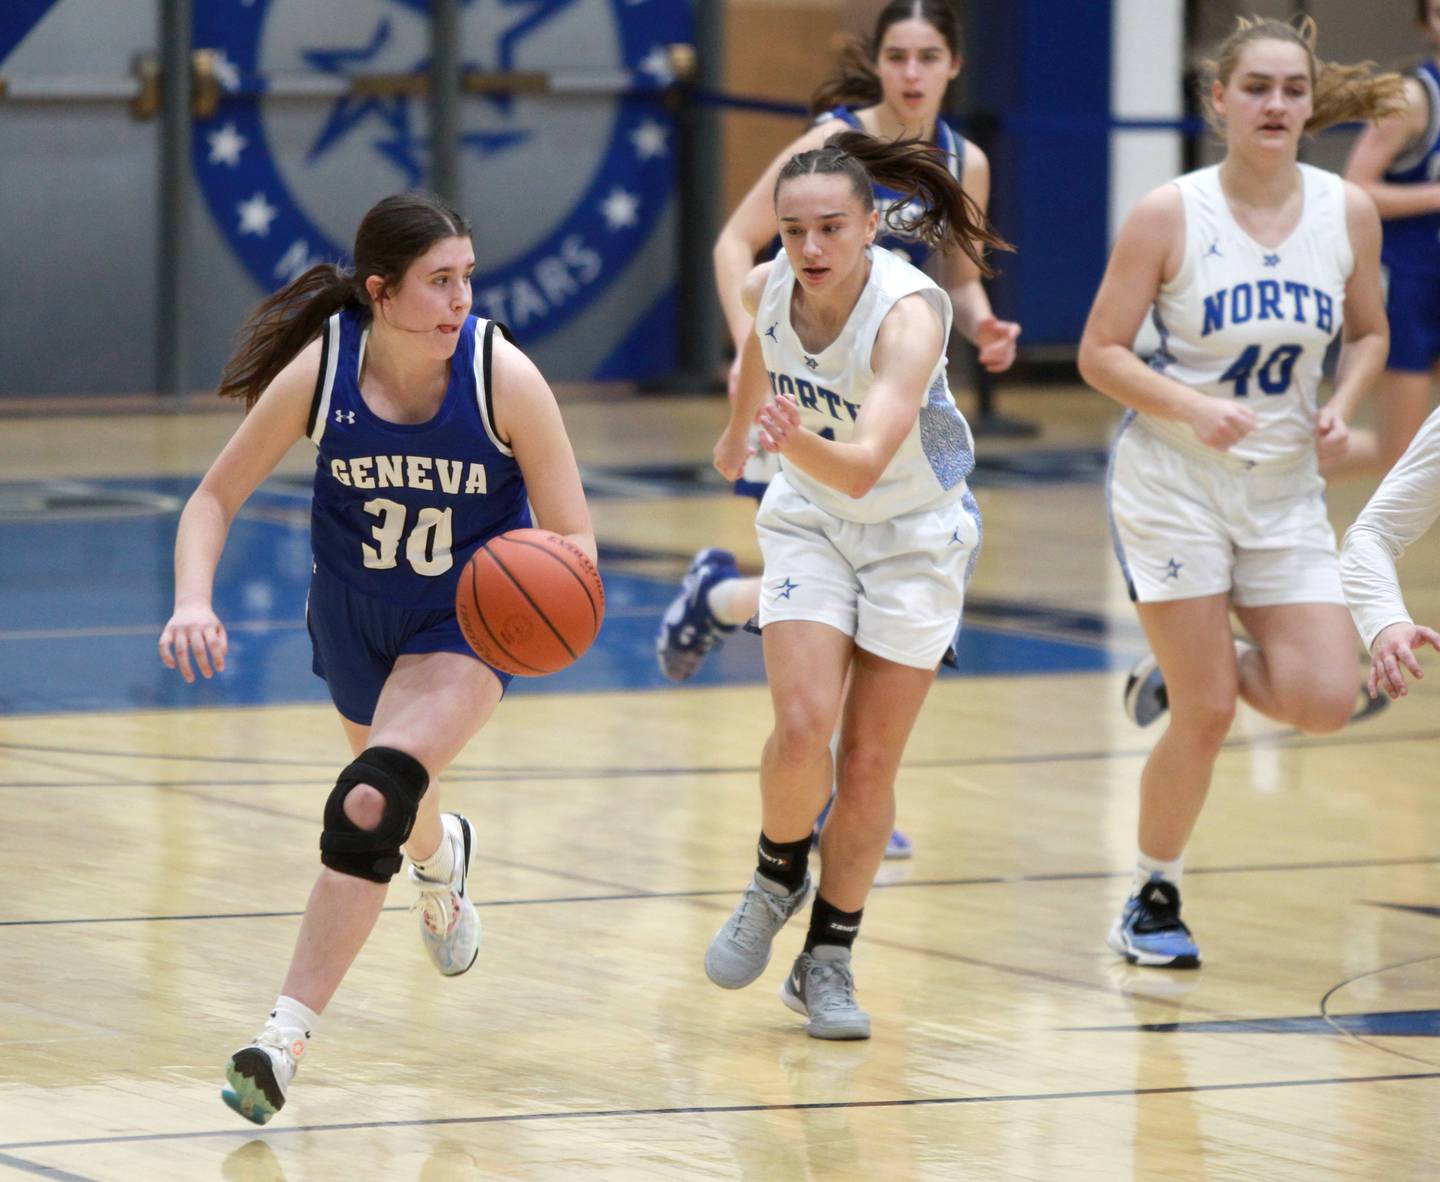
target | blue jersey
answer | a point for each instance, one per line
(400, 507)
(1413, 243)
(949, 141)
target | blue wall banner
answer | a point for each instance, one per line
(563, 191)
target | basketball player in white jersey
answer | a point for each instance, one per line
(867, 534)
(1251, 268)
(1402, 509)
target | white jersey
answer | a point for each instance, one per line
(1403, 507)
(1244, 321)
(931, 465)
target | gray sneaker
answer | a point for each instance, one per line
(821, 986)
(741, 949)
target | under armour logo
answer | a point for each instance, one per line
(812, 363)
(345, 416)
(770, 332)
(1272, 260)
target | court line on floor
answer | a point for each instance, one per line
(460, 773)
(729, 892)
(31, 1167)
(733, 1110)
(1334, 989)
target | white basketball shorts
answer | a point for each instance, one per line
(1186, 525)
(897, 586)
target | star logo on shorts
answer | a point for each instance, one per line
(1272, 260)
(1172, 569)
(784, 589)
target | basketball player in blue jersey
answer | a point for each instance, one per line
(1397, 161)
(867, 532)
(1250, 269)
(432, 432)
(892, 88)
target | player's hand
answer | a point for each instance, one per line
(194, 633)
(731, 451)
(1393, 652)
(1332, 436)
(1219, 422)
(779, 424)
(995, 340)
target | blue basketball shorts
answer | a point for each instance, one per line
(1412, 303)
(356, 640)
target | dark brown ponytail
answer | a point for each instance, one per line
(947, 215)
(392, 235)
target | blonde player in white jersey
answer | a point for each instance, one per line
(867, 534)
(1251, 267)
(1402, 509)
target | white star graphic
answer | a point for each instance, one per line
(227, 71)
(256, 215)
(226, 145)
(657, 65)
(650, 140)
(621, 209)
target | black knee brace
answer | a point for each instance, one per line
(374, 854)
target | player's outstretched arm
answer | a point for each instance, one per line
(194, 637)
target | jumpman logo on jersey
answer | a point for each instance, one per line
(345, 416)
(812, 363)
(955, 538)
(770, 332)
(1272, 260)
(1172, 569)
(784, 589)
(1215, 250)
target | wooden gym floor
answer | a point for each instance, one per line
(159, 843)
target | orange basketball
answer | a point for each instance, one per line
(530, 602)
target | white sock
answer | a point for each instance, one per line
(295, 1018)
(439, 866)
(723, 605)
(1147, 868)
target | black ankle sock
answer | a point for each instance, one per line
(830, 925)
(783, 861)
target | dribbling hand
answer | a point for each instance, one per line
(1393, 652)
(779, 423)
(194, 633)
(995, 341)
(1219, 423)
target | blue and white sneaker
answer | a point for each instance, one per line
(897, 848)
(1145, 695)
(688, 630)
(1150, 932)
